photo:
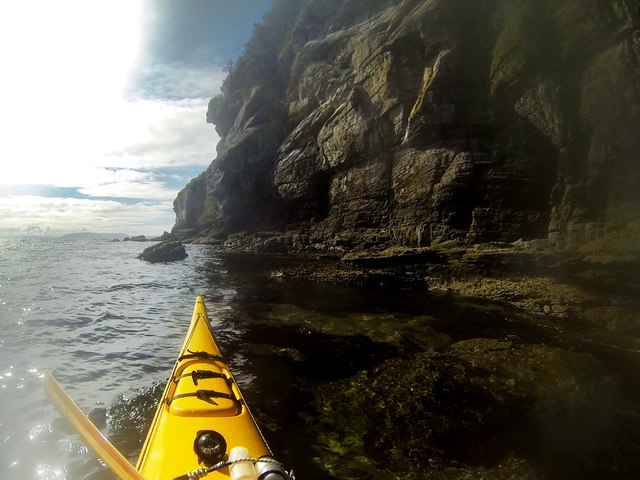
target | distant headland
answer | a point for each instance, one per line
(95, 235)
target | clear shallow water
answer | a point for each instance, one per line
(109, 326)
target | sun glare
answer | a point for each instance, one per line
(66, 65)
(80, 128)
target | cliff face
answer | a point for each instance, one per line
(429, 120)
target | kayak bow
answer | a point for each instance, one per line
(202, 424)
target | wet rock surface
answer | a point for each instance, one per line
(573, 289)
(478, 408)
(459, 388)
(169, 251)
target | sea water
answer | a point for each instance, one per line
(109, 327)
(102, 321)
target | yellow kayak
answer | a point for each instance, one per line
(202, 425)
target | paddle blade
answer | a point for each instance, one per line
(92, 436)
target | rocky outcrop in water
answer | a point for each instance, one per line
(427, 120)
(169, 251)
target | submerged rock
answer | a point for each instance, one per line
(129, 417)
(164, 252)
(481, 408)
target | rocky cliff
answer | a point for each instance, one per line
(419, 121)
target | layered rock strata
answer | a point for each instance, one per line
(423, 121)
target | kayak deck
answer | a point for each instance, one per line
(201, 395)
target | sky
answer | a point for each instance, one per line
(102, 108)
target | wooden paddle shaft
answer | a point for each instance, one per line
(89, 432)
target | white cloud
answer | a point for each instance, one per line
(125, 183)
(140, 134)
(175, 134)
(177, 81)
(63, 215)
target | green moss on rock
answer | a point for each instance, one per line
(482, 408)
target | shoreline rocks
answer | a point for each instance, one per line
(590, 289)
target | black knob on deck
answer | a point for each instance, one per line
(210, 447)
